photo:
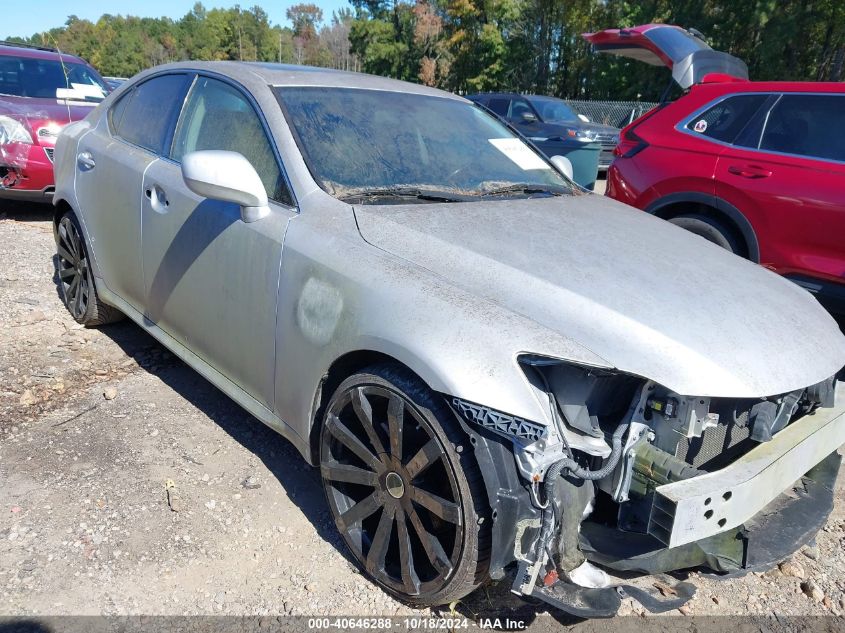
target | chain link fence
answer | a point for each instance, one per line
(615, 113)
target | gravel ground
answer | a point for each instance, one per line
(103, 434)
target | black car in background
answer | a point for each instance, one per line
(547, 119)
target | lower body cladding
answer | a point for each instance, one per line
(726, 486)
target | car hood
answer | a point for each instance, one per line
(684, 52)
(59, 111)
(651, 299)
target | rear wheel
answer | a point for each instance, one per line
(710, 229)
(404, 491)
(76, 279)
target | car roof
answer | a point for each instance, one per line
(273, 74)
(770, 86)
(37, 53)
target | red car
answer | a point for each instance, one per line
(41, 91)
(756, 167)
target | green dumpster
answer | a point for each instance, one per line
(583, 156)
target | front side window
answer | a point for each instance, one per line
(355, 139)
(50, 79)
(143, 116)
(218, 116)
(725, 120)
(807, 125)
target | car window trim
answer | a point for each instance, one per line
(681, 126)
(262, 119)
(170, 124)
(764, 110)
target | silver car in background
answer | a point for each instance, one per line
(493, 370)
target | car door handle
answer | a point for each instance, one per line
(749, 171)
(158, 198)
(85, 161)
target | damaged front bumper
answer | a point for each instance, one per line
(26, 172)
(745, 516)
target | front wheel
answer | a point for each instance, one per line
(403, 487)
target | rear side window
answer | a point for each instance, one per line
(807, 125)
(725, 120)
(144, 116)
(500, 106)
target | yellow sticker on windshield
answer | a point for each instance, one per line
(519, 153)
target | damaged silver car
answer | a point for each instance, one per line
(495, 372)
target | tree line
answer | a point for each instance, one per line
(474, 45)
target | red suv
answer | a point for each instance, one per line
(41, 91)
(756, 167)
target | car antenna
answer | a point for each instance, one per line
(64, 71)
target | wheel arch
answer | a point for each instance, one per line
(714, 207)
(340, 369)
(60, 207)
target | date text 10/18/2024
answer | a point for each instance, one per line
(414, 624)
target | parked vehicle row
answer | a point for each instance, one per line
(41, 91)
(494, 371)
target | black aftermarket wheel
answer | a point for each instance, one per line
(404, 492)
(76, 279)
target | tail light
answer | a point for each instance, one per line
(631, 144)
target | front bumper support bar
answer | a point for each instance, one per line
(693, 509)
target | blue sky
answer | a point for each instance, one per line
(35, 16)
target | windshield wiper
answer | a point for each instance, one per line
(524, 188)
(403, 192)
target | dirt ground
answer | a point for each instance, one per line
(99, 426)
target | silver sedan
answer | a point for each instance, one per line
(493, 369)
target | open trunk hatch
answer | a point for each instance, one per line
(688, 57)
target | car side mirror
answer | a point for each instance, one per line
(563, 165)
(229, 177)
(528, 117)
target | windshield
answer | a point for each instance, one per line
(551, 109)
(50, 79)
(356, 140)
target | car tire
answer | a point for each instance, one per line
(76, 279)
(405, 491)
(710, 229)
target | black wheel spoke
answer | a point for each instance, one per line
(424, 458)
(410, 580)
(446, 510)
(73, 288)
(364, 411)
(67, 273)
(392, 488)
(433, 549)
(65, 255)
(73, 244)
(381, 540)
(395, 423)
(360, 510)
(337, 472)
(79, 294)
(348, 439)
